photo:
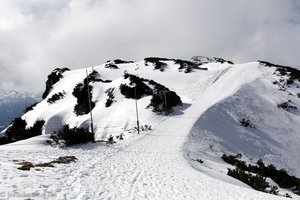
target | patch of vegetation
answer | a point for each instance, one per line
(137, 88)
(292, 73)
(55, 97)
(119, 61)
(26, 166)
(221, 60)
(17, 131)
(53, 78)
(280, 176)
(105, 81)
(257, 182)
(163, 100)
(146, 128)
(72, 136)
(200, 161)
(289, 81)
(120, 137)
(287, 106)
(110, 98)
(93, 76)
(157, 62)
(110, 140)
(29, 108)
(111, 66)
(246, 123)
(288, 195)
(156, 59)
(81, 93)
(235, 161)
(200, 60)
(185, 65)
(274, 190)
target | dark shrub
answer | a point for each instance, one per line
(118, 61)
(160, 66)
(138, 88)
(185, 65)
(53, 78)
(235, 160)
(164, 100)
(292, 73)
(246, 123)
(138, 91)
(288, 195)
(200, 60)
(111, 66)
(110, 98)
(221, 60)
(257, 182)
(160, 94)
(73, 136)
(157, 62)
(274, 190)
(287, 106)
(110, 139)
(156, 59)
(17, 131)
(108, 102)
(4, 140)
(92, 76)
(55, 97)
(281, 177)
(81, 93)
(105, 81)
(289, 81)
(231, 159)
(36, 129)
(29, 108)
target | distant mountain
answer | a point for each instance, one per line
(13, 104)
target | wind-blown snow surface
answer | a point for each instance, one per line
(153, 165)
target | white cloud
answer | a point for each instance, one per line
(38, 36)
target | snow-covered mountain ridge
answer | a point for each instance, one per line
(215, 97)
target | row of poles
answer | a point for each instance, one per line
(136, 106)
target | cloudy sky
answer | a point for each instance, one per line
(37, 36)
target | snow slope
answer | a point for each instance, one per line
(159, 164)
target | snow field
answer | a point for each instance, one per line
(152, 165)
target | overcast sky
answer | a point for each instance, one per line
(37, 36)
